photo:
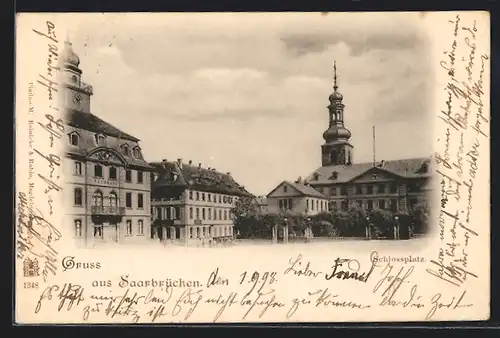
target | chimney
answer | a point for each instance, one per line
(190, 162)
(381, 164)
(199, 165)
(209, 168)
(299, 179)
(164, 163)
(228, 173)
(179, 162)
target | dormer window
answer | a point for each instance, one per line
(74, 139)
(335, 175)
(126, 150)
(99, 139)
(375, 176)
(137, 153)
(316, 176)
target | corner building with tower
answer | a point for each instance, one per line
(394, 185)
(108, 180)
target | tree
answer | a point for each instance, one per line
(420, 217)
(245, 216)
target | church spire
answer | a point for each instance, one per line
(335, 87)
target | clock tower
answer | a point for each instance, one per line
(77, 93)
(337, 150)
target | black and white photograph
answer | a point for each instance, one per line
(252, 167)
(202, 133)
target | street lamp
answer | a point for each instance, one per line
(368, 232)
(308, 229)
(396, 227)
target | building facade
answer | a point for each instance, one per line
(395, 185)
(296, 198)
(109, 195)
(191, 204)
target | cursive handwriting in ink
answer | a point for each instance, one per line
(298, 269)
(352, 272)
(394, 283)
(46, 294)
(259, 302)
(71, 293)
(258, 278)
(452, 304)
(215, 279)
(452, 274)
(190, 299)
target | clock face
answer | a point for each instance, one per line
(77, 99)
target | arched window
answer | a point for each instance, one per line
(113, 200)
(99, 139)
(74, 139)
(333, 157)
(126, 150)
(97, 199)
(137, 153)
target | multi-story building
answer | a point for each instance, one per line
(296, 198)
(191, 203)
(394, 185)
(108, 179)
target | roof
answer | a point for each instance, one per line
(302, 188)
(89, 121)
(409, 168)
(184, 176)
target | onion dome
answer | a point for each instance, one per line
(336, 132)
(68, 55)
(335, 96)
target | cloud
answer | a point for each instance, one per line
(248, 93)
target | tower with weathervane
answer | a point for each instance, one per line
(107, 178)
(337, 150)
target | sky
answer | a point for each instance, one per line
(248, 93)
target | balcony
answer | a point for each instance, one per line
(108, 210)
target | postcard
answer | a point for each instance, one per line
(252, 167)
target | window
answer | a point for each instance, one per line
(203, 213)
(381, 188)
(225, 215)
(113, 200)
(99, 139)
(312, 205)
(285, 188)
(369, 189)
(140, 201)
(220, 214)
(370, 204)
(128, 175)
(209, 212)
(139, 177)
(78, 196)
(112, 173)
(98, 231)
(381, 204)
(128, 200)
(137, 153)
(203, 196)
(97, 199)
(220, 199)
(126, 150)
(74, 139)
(78, 168)
(375, 176)
(333, 191)
(190, 213)
(140, 227)
(98, 170)
(359, 203)
(78, 228)
(128, 229)
(209, 197)
(190, 195)
(357, 190)
(197, 196)
(197, 213)
(394, 205)
(215, 214)
(307, 204)
(394, 188)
